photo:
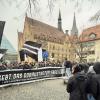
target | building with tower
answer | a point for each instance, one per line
(86, 46)
(90, 40)
(74, 30)
(59, 22)
(74, 40)
(53, 39)
(61, 45)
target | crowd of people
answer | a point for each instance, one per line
(83, 80)
(27, 65)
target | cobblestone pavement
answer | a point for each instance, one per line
(43, 90)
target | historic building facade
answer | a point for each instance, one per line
(90, 40)
(86, 46)
(52, 39)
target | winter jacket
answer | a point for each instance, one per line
(94, 85)
(94, 81)
(98, 86)
(77, 86)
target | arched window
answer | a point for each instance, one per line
(92, 35)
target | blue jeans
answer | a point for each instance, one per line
(90, 97)
(68, 73)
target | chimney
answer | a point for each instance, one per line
(66, 32)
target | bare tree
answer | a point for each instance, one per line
(35, 3)
(96, 17)
(79, 47)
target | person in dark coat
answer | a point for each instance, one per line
(67, 68)
(94, 81)
(26, 66)
(77, 84)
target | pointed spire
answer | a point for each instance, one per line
(74, 21)
(26, 14)
(59, 21)
(59, 18)
(74, 30)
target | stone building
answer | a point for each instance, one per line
(90, 40)
(52, 39)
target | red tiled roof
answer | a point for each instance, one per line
(85, 36)
(43, 30)
(72, 39)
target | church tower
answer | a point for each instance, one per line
(59, 22)
(74, 30)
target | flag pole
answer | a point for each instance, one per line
(45, 62)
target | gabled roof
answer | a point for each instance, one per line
(90, 34)
(43, 30)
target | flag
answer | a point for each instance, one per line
(2, 52)
(32, 49)
(32, 55)
(2, 24)
(32, 45)
(40, 58)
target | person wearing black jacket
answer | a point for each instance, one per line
(94, 81)
(77, 84)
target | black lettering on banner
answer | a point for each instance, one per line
(34, 74)
(14, 76)
(25, 75)
(9, 76)
(6, 77)
(3, 77)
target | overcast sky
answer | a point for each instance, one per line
(14, 12)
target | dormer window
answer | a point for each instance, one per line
(92, 36)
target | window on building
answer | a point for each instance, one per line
(92, 35)
(35, 36)
(52, 55)
(88, 44)
(91, 52)
(91, 60)
(53, 47)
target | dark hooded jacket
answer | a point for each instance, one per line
(92, 84)
(98, 86)
(94, 81)
(77, 86)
